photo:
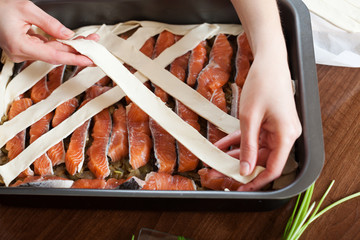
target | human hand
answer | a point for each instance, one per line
(269, 122)
(20, 43)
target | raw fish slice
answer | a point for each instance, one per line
(164, 148)
(243, 60)
(164, 40)
(217, 72)
(148, 48)
(55, 78)
(104, 81)
(221, 53)
(113, 183)
(95, 90)
(89, 183)
(97, 152)
(46, 182)
(214, 134)
(75, 154)
(57, 152)
(164, 143)
(197, 61)
(179, 66)
(140, 143)
(119, 146)
(17, 144)
(212, 179)
(42, 165)
(165, 181)
(63, 111)
(40, 91)
(186, 160)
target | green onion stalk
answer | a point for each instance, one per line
(301, 217)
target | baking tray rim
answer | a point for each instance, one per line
(304, 178)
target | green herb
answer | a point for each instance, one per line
(300, 220)
(182, 238)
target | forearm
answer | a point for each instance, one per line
(261, 22)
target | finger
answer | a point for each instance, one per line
(46, 22)
(249, 145)
(61, 47)
(32, 33)
(229, 140)
(95, 37)
(274, 166)
(66, 48)
(263, 155)
(235, 153)
(46, 53)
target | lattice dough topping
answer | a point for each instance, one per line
(109, 54)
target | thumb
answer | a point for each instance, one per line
(47, 23)
(249, 146)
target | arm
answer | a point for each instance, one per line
(269, 121)
(20, 43)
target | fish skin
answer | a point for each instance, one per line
(119, 146)
(97, 152)
(197, 61)
(165, 181)
(17, 144)
(30, 180)
(236, 94)
(243, 59)
(140, 143)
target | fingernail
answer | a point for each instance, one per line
(244, 168)
(67, 32)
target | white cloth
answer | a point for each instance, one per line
(336, 31)
(333, 45)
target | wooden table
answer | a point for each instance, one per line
(340, 103)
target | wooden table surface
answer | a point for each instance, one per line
(340, 106)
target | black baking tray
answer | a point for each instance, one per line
(309, 147)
